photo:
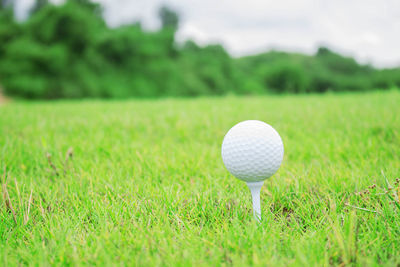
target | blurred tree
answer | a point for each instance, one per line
(337, 62)
(95, 8)
(69, 25)
(169, 18)
(53, 58)
(286, 78)
(84, 3)
(207, 70)
(387, 78)
(38, 5)
(67, 51)
(322, 50)
(9, 29)
(5, 4)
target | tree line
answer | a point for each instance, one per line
(68, 51)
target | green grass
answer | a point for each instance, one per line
(146, 185)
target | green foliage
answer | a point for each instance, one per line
(387, 78)
(67, 51)
(286, 78)
(6, 4)
(130, 56)
(50, 58)
(207, 71)
(326, 71)
(169, 18)
(9, 30)
(39, 68)
(39, 4)
(69, 25)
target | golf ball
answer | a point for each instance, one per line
(252, 151)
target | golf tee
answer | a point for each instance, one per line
(255, 189)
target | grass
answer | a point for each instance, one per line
(142, 183)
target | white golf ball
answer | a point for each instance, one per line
(252, 151)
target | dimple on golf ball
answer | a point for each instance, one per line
(252, 151)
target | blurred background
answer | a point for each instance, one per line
(180, 48)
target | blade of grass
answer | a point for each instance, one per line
(29, 208)
(8, 202)
(394, 201)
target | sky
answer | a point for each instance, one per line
(365, 29)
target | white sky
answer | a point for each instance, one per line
(366, 29)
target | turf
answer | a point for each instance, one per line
(142, 183)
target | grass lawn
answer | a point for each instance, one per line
(143, 183)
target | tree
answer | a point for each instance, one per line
(8, 27)
(169, 18)
(322, 50)
(39, 4)
(93, 7)
(5, 4)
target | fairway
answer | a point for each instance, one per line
(141, 182)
